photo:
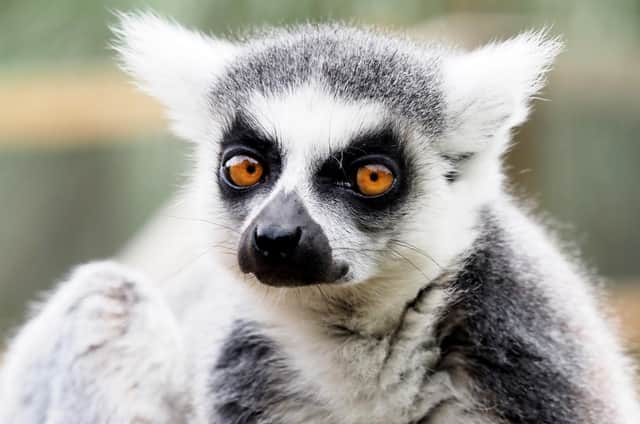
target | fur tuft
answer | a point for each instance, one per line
(488, 90)
(175, 65)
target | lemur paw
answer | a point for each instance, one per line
(412, 350)
(104, 348)
(104, 303)
(99, 300)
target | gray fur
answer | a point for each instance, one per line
(355, 64)
(250, 381)
(499, 330)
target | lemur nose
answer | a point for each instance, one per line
(276, 242)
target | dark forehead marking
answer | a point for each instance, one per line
(353, 64)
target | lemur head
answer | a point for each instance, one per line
(335, 155)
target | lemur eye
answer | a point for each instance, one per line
(243, 171)
(374, 179)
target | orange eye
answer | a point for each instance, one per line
(374, 179)
(243, 171)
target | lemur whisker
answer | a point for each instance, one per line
(204, 221)
(357, 249)
(193, 259)
(322, 293)
(410, 262)
(401, 243)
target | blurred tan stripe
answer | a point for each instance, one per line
(74, 107)
(70, 108)
(625, 302)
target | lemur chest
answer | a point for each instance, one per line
(251, 381)
(255, 380)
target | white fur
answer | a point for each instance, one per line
(105, 337)
(488, 90)
(176, 66)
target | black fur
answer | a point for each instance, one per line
(336, 179)
(244, 136)
(455, 161)
(250, 378)
(308, 260)
(499, 330)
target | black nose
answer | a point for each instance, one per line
(275, 241)
(284, 247)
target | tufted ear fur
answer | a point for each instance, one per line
(175, 65)
(487, 91)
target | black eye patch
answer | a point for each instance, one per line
(381, 143)
(335, 178)
(244, 136)
(245, 131)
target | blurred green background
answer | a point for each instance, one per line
(84, 161)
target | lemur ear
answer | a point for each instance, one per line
(487, 91)
(175, 65)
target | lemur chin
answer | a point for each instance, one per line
(368, 265)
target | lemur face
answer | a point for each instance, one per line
(319, 185)
(333, 155)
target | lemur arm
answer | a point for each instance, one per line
(103, 349)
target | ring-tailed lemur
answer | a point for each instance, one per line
(369, 266)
